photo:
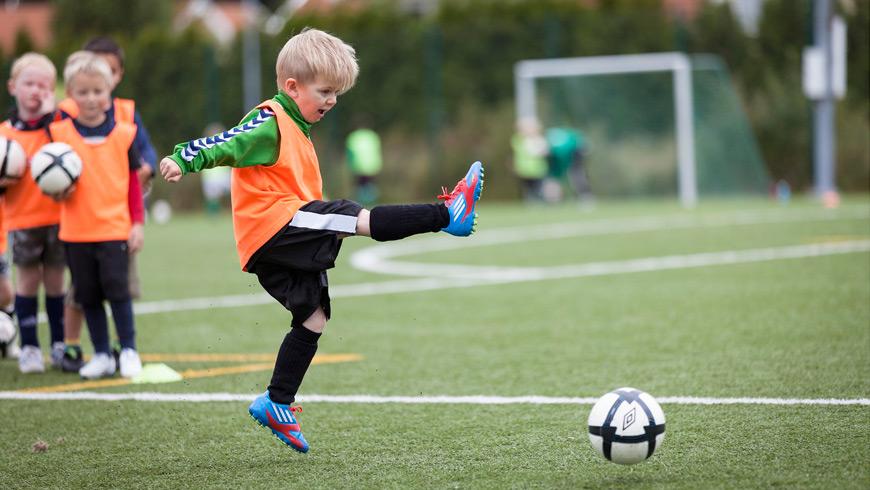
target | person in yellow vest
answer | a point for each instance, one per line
(365, 161)
(31, 217)
(120, 110)
(101, 220)
(530, 157)
(285, 233)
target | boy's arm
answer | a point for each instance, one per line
(135, 203)
(255, 141)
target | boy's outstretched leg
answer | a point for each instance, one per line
(456, 215)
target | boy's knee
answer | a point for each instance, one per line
(316, 322)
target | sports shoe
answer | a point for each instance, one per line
(461, 201)
(30, 360)
(100, 366)
(130, 363)
(280, 420)
(57, 350)
(73, 360)
(13, 351)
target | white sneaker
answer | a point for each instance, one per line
(100, 366)
(57, 350)
(13, 351)
(30, 360)
(130, 363)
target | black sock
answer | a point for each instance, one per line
(294, 357)
(394, 222)
(98, 327)
(26, 308)
(122, 313)
(54, 311)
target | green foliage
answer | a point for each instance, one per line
(76, 21)
(446, 78)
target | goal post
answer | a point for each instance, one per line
(530, 74)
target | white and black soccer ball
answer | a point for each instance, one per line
(626, 426)
(13, 159)
(55, 167)
(8, 333)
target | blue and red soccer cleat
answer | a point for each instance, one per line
(280, 420)
(460, 203)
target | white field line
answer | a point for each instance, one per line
(442, 276)
(461, 277)
(431, 400)
(373, 258)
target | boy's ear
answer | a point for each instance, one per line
(291, 87)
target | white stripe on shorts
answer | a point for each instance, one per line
(333, 222)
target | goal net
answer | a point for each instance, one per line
(659, 124)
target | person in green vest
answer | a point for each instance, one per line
(530, 157)
(365, 161)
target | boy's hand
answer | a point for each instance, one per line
(145, 174)
(170, 170)
(137, 238)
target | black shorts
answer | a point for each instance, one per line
(99, 271)
(37, 246)
(292, 265)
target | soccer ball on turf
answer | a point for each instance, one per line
(626, 426)
(7, 335)
(55, 167)
(13, 160)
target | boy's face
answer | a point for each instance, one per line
(314, 99)
(32, 88)
(92, 93)
(115, 65)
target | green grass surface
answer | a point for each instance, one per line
(794, 328)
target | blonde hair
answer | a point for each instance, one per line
(314, 55)
(86, 62)
(27, 60)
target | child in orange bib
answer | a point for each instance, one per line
(101, 220)
(285, 233)
(31, 217)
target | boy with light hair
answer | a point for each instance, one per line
(31, 217)
(120, 110)
(101, 220)
(285, 233)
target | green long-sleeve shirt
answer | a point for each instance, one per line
(255, 141)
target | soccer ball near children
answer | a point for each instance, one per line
(7, 334)
(13, 160)
(626, 426)
(55, 167)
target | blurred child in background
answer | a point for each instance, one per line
(119, 110)
(102, 220)
(32, 217)
(365, 161)
(530, 157)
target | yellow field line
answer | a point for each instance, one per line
(189, 374)
(207, 357)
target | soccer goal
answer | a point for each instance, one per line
(657, 124)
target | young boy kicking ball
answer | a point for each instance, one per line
(285, 233)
